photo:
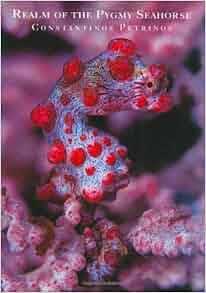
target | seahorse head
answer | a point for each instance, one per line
(139, 86)
(117, 80)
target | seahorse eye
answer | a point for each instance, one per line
(150, 84)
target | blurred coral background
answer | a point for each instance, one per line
(167, 150)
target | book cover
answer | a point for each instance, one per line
(102, 146)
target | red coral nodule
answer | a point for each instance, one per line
(123, 46)
(92, 195)
(78, 157)
(122, 152)
(121, 68)
(141, 102)
(94, 149)
(157, 71)
(44, 116)
(164, 104)
(90, 170)
(107, 141)
(111, 159)
(57, 153)
(108, 179)
(73, 70)
(83, 137)
(90, 96)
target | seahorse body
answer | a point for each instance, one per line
(90, 162)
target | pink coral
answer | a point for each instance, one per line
(104, 249)
(169, 231)
(54, 253)
(21, 232)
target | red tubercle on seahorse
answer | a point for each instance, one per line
(90, 170)
(111, 159)
(44, 116)
(90, 96)
(157, 70)
(57, 152)
(141, 101)
(92, 194)
(122, 152)
(108, 179)
(122, 46)
(121, 68)
(94, 149)
(164, 104)
(83, 137)
(78, 157)
(107, 141)
(73, 70)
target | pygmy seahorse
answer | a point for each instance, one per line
(90, 163)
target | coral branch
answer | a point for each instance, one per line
(45, 257)
(22, 230)
(104, 249)
(170, 231)
(153, 271)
